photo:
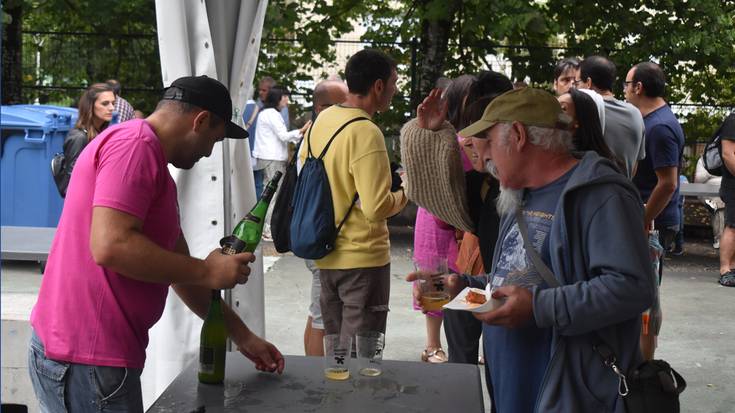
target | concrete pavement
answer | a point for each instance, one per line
(697, 334)
(696, 338)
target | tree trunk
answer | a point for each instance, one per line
(433, 46)
(12, 61)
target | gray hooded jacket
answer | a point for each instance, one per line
(599, 255)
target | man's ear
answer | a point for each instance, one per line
(519, 137)
(201, 121)
(378, 87)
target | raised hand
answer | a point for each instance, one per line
(432, 112)
(226, 271)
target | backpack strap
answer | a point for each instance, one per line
(321, 155)
(352, 205)
(324, 151)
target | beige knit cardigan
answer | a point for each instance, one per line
(435, 178)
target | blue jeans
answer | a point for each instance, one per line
(258, 178)
(62, 387)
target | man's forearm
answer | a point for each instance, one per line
(136, 256)
(668, 181)
(660, 197)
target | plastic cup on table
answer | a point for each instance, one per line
(370, 346)
(337, 349)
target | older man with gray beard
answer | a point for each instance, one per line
(585, 271)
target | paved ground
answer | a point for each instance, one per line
(696, 338)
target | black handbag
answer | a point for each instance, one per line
(652, 387)
(282, 210)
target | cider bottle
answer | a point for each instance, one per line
(213, 343)
(245, 238)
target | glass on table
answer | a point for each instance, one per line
(431, 271)
(337, 348)
(370, 346)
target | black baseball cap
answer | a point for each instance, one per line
(208, 94)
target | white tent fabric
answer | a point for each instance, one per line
(220, 39)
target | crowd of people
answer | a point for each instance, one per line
(559, 195)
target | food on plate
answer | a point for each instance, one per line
(476, 296)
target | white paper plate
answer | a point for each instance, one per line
(460, 301)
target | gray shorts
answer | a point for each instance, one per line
(315, 309)
(355, 300)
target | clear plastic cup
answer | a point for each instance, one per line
(431, 271)
(337, 350)
(370, 346)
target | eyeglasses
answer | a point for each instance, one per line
(626, 83)
(577, 82)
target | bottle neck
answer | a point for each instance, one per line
(268, 193)
(216, 295)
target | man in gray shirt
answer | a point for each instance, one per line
(624, 128)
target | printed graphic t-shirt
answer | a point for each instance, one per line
(88, 314)
(518, 357)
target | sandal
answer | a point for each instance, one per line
(435, 356)
(728, 279)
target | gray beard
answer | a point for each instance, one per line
(491, 169)
(509, 199)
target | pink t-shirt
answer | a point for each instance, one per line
(85, 313)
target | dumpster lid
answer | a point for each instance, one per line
(45, 117)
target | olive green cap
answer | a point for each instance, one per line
(532, 107)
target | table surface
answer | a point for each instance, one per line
(691, 189)
(26, 243)
(404, 387)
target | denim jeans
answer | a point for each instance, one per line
(62, 386)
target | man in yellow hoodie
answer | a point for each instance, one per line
(355, 276)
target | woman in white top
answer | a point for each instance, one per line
(271, 142)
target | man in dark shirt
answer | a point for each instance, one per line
(657, 178)
(727, 193)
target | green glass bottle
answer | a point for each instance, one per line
(213, 343)
(248, 232)
(245, 238)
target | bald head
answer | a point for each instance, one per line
(328, 93)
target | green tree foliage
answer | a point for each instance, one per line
(692, 41)
(122, 45)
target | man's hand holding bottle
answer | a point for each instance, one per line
(226, 271)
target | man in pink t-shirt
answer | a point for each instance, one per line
(117, 249)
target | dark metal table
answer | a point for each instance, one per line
(26, 243)
(403, 387)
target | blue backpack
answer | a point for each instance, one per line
(313, 233)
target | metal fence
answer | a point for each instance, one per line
(58, 66)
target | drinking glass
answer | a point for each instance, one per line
(431, 271)
(337, 348)
(370, 346)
